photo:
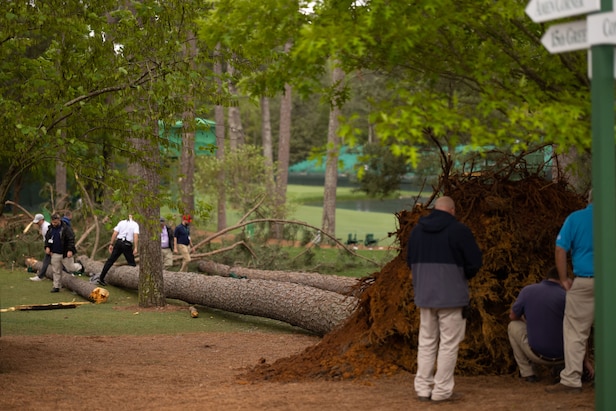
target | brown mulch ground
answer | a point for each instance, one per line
(203, 372)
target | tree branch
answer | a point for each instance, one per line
(281, 221)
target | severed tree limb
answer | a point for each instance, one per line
(337, 284)
(312, 309)
(222, 250)
(245, 216)
(96, 223)
(12, 203)
(281, 221)
(201, 255)
(38, 307)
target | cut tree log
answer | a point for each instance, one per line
(312, 309)
(337, 284)
(85, 289)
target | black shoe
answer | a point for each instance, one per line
(531, 379)
(101, 282)
(422, 398)
(55, 290)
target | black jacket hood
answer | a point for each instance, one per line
(436, 221)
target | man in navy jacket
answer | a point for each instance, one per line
(443, 255)
(60, 246)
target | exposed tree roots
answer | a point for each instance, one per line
(515, 224)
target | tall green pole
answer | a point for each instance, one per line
(604, 221)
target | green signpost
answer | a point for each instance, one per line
(604, 186)
(601, 38)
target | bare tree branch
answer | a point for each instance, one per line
(280, 221)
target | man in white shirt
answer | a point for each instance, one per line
(124, 240)
(43, 226)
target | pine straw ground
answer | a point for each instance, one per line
(515, 224)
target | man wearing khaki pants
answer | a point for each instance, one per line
(181, 241)
(576, 237)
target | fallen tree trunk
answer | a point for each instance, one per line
(310, 308)
(85, 289)
(337, 284)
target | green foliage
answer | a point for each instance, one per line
(380, 172)
(422, 72)
(467, 71)
(252, 36)
(244, 182)
(83, 81)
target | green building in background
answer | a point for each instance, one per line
(205, 137)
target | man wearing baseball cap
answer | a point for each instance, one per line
(43, 226)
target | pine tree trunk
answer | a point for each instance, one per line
(151, 285)
(331, 166)
(236, 131)
(310, 308)
(187, 163)
(334, 283)
(219, 117)
(85, 289)
(61, 187)
(284, 149)
(268, 150)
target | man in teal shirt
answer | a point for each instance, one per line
(576, 237)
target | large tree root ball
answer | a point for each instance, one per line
(515, 224)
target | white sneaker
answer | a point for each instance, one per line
(36, 278)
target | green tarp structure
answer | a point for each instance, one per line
(205, 137)
(346, 163)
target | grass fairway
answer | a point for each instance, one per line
(352, 222)
(348, 222)
(314, 193)
(120, 315)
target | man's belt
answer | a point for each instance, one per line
(548, 359)
(125, 242)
